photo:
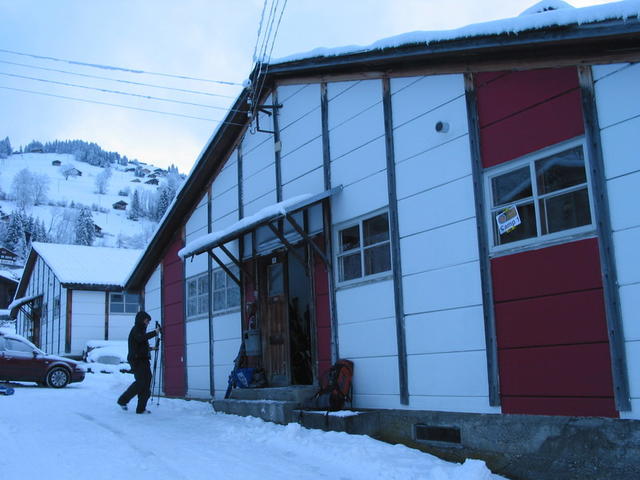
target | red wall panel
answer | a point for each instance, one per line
(552, 320)
(548, 271)
(521, 112)
(173, 306)
(568, 406)
(323, 313)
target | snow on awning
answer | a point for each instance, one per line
(19, 302)
(262, 217)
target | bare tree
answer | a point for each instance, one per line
(102, 181)
(67, 170)
(22, 188)
(40, 188)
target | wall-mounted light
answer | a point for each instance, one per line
(442, 127)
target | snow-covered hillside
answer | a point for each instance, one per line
(117, 229)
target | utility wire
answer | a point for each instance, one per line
(122, 69)
(120, 106)
(184, 90)
(118, 92)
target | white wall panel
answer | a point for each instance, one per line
(197, 331)
(450, 374)
(361, 163)
(413, 96)
(452, 404)
(456, 330)
(299, 162)
(633, 359)
(365, 302)
(620, 155)
(198, 378)
(258, 204)
(600, 71)
(369, 380)
(227, 177)
(227, 326)
(373, 338)
(624, 199)
(443, 289)
(360, 198)
(439, 206)
(223, 204)
(260, 184)
(441, 247)
(197, 221)
(197, 354)
(195, 265)
(613, 106)
(312, 183)
(258, 160)
(627, 255)
(630, 306)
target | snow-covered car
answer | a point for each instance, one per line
(22, 361)
(108, 356)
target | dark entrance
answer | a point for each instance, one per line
(285, 317)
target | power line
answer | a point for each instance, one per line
(184, 90)
(106, 90)
(120, 106)
(122, 69)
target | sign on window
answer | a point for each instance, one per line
(508, 219)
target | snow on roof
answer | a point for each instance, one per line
(18, 302)
(88, 265)
(13, 275)
(268, 212)
(530, 19)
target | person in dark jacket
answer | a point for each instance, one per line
(139, 359)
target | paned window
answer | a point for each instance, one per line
(364, 248)
(197, 296)
(124, 303)
(540, 197)
(226, 292)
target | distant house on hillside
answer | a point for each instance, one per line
(56, 163)
(130, 169)
(36, 150)
(145, 171)
(70, 294)
(120, 205)
(135, 180)
(7, 257)
(98, 230)
(158, 171)
(152, 181)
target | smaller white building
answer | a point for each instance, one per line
(70, 294)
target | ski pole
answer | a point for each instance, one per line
(155, 365)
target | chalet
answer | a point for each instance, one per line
(152, 181)
(452, 211)
(135, 180)
(56, 163)
(7, 257)
(70, 294)
(120, 205)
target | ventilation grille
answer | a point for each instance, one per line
(441, 435)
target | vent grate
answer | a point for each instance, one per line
(429, 433)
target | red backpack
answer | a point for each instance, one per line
(335, 388)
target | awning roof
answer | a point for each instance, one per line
(262, 217)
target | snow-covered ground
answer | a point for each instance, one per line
(81, 189)
(80, 432)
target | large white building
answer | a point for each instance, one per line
(450, 211)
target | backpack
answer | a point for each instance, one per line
(335, 388)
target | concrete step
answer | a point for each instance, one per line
(352, 422)
(276, 411)
(294, 393)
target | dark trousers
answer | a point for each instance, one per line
(140, 387)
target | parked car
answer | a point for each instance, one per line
(22, 361)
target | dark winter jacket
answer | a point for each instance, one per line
(139, 341)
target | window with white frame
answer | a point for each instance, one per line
(540, 197)
(123, 303)
(364, 248)
(197, 296)
(226, 292)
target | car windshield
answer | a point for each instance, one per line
(17, 342)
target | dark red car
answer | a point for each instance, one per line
(22, 361)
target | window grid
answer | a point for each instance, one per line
(536, 198)
(123, 303)
(226, 293)
(361, 249)
(197, 296)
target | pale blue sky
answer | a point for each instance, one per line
(211, 39)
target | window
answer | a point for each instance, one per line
(226, 292)
(364, 249)
(197, 296)
(123, 303)
(56, 307)
(540, 197)
(18, 346)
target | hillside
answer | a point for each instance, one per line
(65, 196)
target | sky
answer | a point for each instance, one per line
(79, 432)
(212, 40)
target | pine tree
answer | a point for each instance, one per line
(5, 148)
(14, 238)
(85, 229)
(134, 208)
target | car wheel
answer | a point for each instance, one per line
(58, 377)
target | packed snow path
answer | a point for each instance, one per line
(80, 432)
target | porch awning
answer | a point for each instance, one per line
(265, 216)
(19, 302)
